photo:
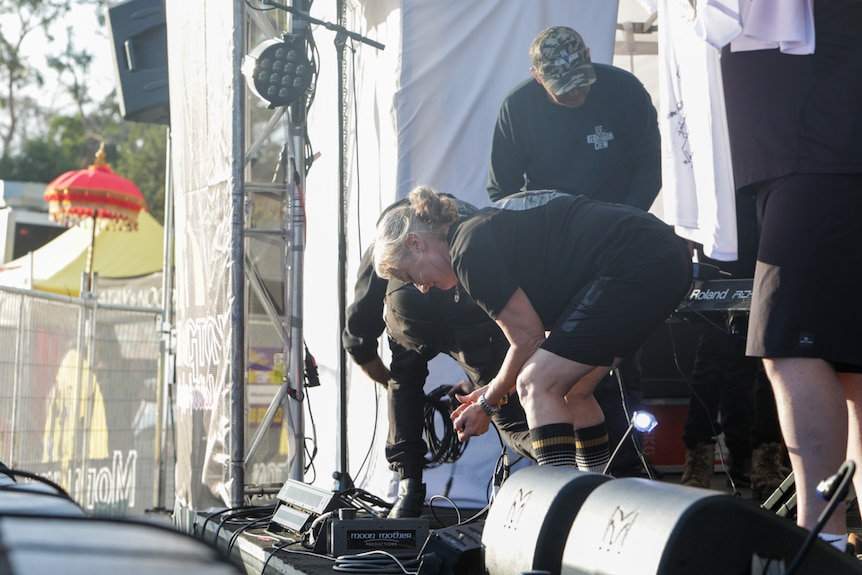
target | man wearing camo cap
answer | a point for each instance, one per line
(583, 128)
(577, 126)
(561, 62)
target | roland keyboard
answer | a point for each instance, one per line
(707, 297)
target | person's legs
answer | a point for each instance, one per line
(737, 409)
(702, 426)
(813, 415)
(405, 446)
(511, 422)
(852, 383)
(609, 317)
(768, 471)
(556, 394)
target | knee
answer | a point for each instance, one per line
(526, 388)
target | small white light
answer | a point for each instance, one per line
(644, 421)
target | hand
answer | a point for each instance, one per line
(469, 419)
(462, 388)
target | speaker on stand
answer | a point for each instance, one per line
(140, 53)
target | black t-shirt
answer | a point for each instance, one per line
(607, 149)
(791, 113)
(549, 244)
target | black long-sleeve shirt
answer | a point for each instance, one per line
(609, 148)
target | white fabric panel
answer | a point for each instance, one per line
(697, 175)
(423, 113)
(203, 111)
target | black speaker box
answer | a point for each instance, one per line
(458, 549)
(530, 518)
(139, 34)
(634, 525)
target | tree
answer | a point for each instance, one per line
(39, 143)
(21, 18)
(141, 158)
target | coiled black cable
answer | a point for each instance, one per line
(443, 448)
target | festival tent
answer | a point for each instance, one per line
(59, 265)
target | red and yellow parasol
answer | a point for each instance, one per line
(95, 196)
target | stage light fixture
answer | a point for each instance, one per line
(278, 71)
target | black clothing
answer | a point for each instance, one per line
(554, 246)
(807, 261)
(722, 375)
(790, 113)
(795, 127)
(419, 327)
(608, 148)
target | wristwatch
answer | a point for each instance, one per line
(492, 409)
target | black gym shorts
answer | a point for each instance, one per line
(806, 300)
(616, 312)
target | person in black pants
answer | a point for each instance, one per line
(419, 327)
(729, 392)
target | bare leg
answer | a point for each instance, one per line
(812, 410)
(553, 389)
(583, 407)
(853, 390)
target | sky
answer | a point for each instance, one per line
(88, 33)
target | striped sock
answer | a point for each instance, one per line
(592, 448)
(554, 444)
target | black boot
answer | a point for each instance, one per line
(411, 498)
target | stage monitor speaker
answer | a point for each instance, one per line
(139, 33)
(634, 525)
(530, 518)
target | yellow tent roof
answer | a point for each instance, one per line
(59, 265)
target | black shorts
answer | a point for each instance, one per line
(614, 314)
(805, 301)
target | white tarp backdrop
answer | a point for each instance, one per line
(421, 111)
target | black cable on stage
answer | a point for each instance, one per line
(374, 562)
(243, 528)
(13, 473)
(234, 510)
(213, 515)
(446, 448)
(275, 550)
(356, 493)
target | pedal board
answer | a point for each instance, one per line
(401, 537)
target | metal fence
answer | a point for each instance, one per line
(79, 400)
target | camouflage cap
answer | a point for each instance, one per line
(561, 60)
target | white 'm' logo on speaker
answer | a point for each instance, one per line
(617, 529)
